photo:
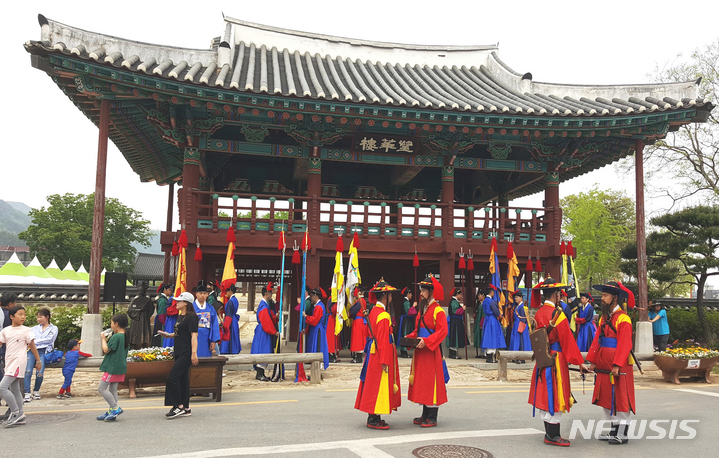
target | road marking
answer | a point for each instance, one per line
(705, 393)
(194, 406)
(498, 391)
(364, 448)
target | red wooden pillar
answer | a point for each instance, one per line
(168, 228)
(643, 299)
(188, 211)
(554, 220)
(314, 192)
(446, 262)
(98, 216)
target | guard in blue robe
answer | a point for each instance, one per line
(519, 341)
(208, 330)
(265, 332)
(585, 322)
(317, 327)
(231, 325)
(492, 335)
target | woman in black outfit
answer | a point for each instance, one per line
(177, 389)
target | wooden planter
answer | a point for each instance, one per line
(673, 368)
(205, 378)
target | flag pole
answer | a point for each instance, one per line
(280, 368)
(300, 370)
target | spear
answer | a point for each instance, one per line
(279, 370)
(462, 267)
(300, 370)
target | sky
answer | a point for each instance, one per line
(51, 148)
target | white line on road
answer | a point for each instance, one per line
(364, 448)
(705, 393)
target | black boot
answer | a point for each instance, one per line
(621, 436)
(612, 433)
(490, 357)
(553, 435)
(452, 354)
(376, 422)
(333, 358)
(360, 357)
(404, 354)
(431, 419)
(419, 420)
(261, 375)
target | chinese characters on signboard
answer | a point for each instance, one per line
(376, 143)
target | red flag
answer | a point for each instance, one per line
(510, 251)
(538, 267)
(562, 248)
(415, 261)
(355, 240)
(175, 249)
(570, 249)
(198, 254)
(529, 267)
(462, 264)
(494, 244)
(296, 257)
(470, 264)
(281, 242)
(340, 244)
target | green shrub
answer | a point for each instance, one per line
(684, 324)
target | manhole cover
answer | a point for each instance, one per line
(42, 418)
(437, 451)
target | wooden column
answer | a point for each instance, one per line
(168, 228)
(188, 206)
(446, 262)
(98, 216)
(314, 192)
(554, 220)
(641, 240)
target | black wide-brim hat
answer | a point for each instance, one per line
(611, 288)
(550, 283)
(202, 287)
(426, 283)
(382, 287)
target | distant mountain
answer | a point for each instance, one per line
(13, 220)
(21, 207)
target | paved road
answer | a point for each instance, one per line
(317, 422)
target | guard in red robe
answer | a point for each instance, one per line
(379, 392)
(550, 391)
(359, 335)
(428, 376)
(610, 355)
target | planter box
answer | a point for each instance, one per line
(205, 378)
(673, 368)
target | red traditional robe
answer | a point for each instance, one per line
(331, 338)
(426, 379)
(359, 329)
(559, 389)
(606, 357)
(376, 394)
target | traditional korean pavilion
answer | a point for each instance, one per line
(414, 147)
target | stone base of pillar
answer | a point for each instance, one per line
(644, 341)
(91, 329)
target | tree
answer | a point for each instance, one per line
(599, 223)
(684, 251)
(691, 154)
(63, 231)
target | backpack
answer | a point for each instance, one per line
(53, 357)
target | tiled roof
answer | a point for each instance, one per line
(148, 266)
(260, 59)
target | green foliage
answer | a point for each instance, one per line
(684, 325)
(599, 223)
(684, 251)
(63, 231)
(279, 215)
(691, 154)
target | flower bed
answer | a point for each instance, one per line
(145, 355)
(686, 359)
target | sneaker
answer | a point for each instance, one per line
(188, 412)
(36, 395)
(28, 397)
(175, 412)
(13, 419)
(61, 396)
(103, 416)
(113, 414)
(69, 395)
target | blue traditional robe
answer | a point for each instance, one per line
(170, 322)
(520, 341)
(492, 335)
(587, 329)
(232, 346)
(317, 332)
(208, 330)
(262, 342)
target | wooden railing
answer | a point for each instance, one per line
(382, 219)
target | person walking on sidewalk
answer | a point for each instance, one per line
(45, 335)
(17, 339)
(177, 388)
(68, 369)
(114, 365)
